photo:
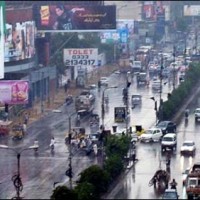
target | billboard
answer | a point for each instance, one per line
(2, 31)
(80, 56)
(191, 10)
(14, 92)
(70, 18)
(19, 41)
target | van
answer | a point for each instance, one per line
(156, 85)
(136, 66)
(169, 141)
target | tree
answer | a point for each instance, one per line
(85, 191)
(62, 192)
(97, 177)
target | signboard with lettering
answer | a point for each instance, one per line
(81, 57)
(120, 114)
(54, 18)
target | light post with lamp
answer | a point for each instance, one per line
(17, 178)
(102, 117)
(69, 172)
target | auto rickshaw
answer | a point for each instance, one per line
(94, 120)
(5, 127)
(76, 133)
(17, 131)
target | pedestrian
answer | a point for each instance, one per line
(65, 87)
(26, 118)
(95, 148)
(24, 128)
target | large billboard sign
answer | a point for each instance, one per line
(80, 57)
(19, 41)
(14, 92)
(2, 31)
(75, 18)
(191, 10)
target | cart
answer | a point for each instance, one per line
(94, 120)
(17, 132)
(5, 127)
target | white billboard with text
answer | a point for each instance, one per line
(80, 57)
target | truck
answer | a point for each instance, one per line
(192, 182)
(84, 105)
(142, 78)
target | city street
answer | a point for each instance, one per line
(40, 172)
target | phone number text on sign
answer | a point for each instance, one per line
(73, 57)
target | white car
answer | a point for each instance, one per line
(188, 147)
(151, 135)
(197, 114)
(104, 81)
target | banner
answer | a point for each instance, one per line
(14, 92)
(2, 31)
(55, 18)
(191, 10)
(81, 57)
(19, 41)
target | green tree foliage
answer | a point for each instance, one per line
(114, 166)
(62, 192)
(98, 177)
(117, 145)
(85, 191)
(180, 94)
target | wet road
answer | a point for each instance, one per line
(135, 181)
(40, 172)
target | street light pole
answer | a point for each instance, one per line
(102, 117)
(174, 54)
(17, 178)
(69, 172)
(155, 108)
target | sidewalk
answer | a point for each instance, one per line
(59, 99)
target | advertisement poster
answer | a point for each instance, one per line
(68, 18)
(81, 57)
(19, 41)
(14, 92)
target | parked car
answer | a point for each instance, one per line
(197, 114)
(170, 194)
(169, 141)
(104, 81)
(167, 126)
(151, 135)
(188, 147)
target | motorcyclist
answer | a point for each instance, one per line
(173, 184)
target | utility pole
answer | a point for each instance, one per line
(161, 78)
(174, 55)
(128, 83)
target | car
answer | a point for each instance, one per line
(156, 85)
(197, 114)
(188, 147)
(170, 194)
(136, 99)
(151, 135)
(167, 126)
(169, 141)
(94, 137)
(104, 81)
(87, 94)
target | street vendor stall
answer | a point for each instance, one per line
(5, 127)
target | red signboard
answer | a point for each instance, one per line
(68, 18)
(14, 92)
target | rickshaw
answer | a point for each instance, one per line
(17, 131)
(76, 133)
(94, 120)
(5, 127)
